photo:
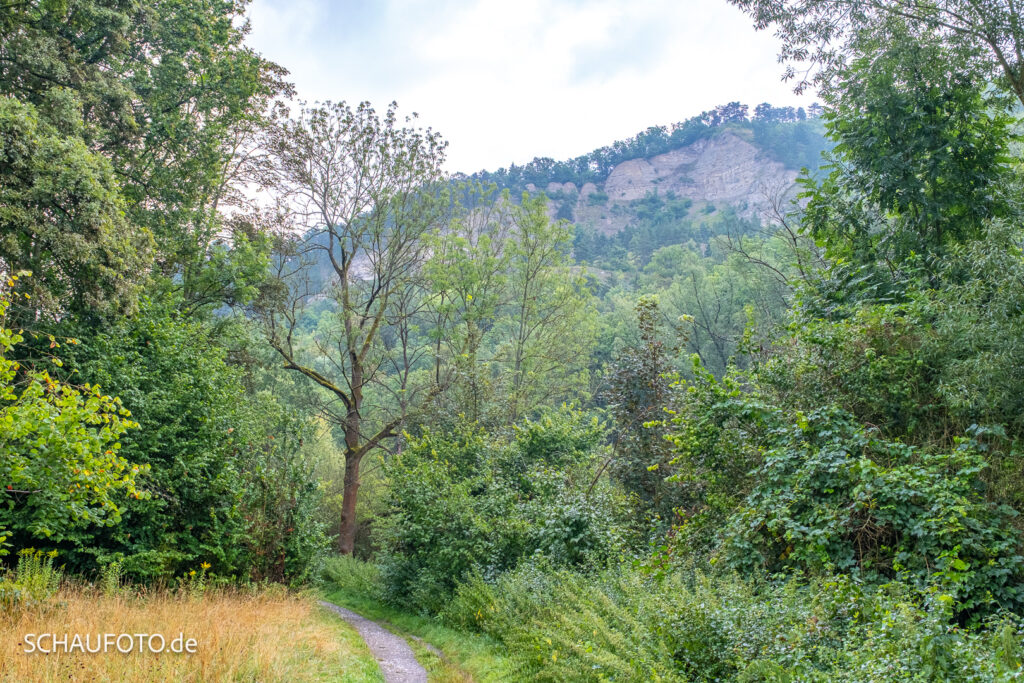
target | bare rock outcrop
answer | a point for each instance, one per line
(722, 169)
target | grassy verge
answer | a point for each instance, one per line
(267, 635)
(465, 657)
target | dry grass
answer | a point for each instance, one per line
(261, 636)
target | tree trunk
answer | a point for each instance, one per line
(347, 534)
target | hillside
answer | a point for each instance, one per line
(717, 160)
(723, 169)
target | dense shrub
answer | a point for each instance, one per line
(922, 353)
(228, 482)
(468, 501)
(832, 496)
(61, 464)
(877, 363)
(353, 576)
(716, 430)
(628, 625)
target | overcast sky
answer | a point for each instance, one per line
(505, 82)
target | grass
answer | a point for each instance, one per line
(466, 657)
(243, 635)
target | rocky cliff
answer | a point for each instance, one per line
(720, 169)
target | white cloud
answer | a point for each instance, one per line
(505, 82)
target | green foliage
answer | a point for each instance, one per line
(921, 153)
(928, 365)
(831, 496)
(354, 577)
(715, 429)
(61, 465)
(624, 625)
(62, 215)
(658, 222)
(32, 582)
(546, 335)
(510, 315)
(283, 538)
(879, 364)
(799, 145)
(111, 579)
(227, 481)
(470, 501)
(817, 39)
(170, 95)
(979, 325)
(639, 392)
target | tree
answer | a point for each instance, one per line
(361, 187)
(546, 338)
(922, 149)
(62, 214)
(638, 394)
(163, 90)
(467, 274)
(211, 447)
(819, 34)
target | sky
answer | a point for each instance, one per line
(504, 82)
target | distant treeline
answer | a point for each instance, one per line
(793, 137)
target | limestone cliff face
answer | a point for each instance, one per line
(723, 169)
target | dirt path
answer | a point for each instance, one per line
(395, 657)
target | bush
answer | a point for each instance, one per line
(832, 496)
(467, 501)
(230, 484)
(61, 464)
(353, 576)
(34, 581)
(628, 625)
(880, 364)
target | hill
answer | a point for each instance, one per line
(722, 158)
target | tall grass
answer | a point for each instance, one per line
(624, 625)
(243, 635)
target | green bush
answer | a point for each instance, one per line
(468, 501)
(353, 576)
(32, 582)
(629, 625)
(61, 464)
(879, 364)
(229, 482)
(833, 496)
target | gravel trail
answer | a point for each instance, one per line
(395, 657)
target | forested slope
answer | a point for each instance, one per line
(616, 417)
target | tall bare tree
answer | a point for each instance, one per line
(361, 188)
